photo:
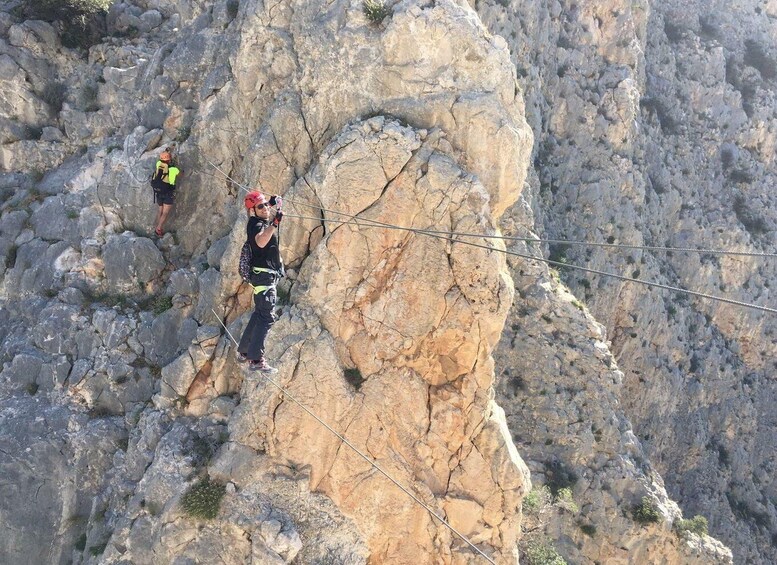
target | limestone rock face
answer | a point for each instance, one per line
(651, 126)
(396, 356)
(389, 334)
(52, 468)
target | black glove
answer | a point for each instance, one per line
(277, 219)
(272, 200)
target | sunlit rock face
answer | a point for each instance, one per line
(416, 121)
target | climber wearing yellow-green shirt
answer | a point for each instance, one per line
(163, 183)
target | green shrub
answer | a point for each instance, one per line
(757, 57)
(740, 176)
(183, 133)
(203, 500)
(587, 529)
(10, 257)
(537, 499)
(646, 512)
(82, 21)
(542, 553)
(87, 97)
(33, 132)
(558, 476)
(54, 95)
(697, 525)
(232, 7)
(654, 106)
(708, 29)
(565, 499)
(752, 222)
(557, 252)
(81, 542)
(674, 33)
(161, 304)
(375, 10)
(354, 378)
(727, 157)
(96, 550)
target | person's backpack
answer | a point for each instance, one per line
(244, 266)
(160, 172)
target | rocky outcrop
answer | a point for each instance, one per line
(395, 356)
(124, 325)
(110, 336)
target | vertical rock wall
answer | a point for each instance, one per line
(662, 112)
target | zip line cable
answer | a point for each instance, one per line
(549, 261)
(449, 236)
(570, 242)
(362, 455)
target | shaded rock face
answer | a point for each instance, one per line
(661, 112)
(118, 326)
(52, 468)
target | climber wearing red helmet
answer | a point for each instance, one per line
(163, 183)
(266, 270)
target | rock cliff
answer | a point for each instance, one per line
(123, 411)
(662, 111)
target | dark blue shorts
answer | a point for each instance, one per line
(164, 196)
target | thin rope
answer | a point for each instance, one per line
(571, 242)
(362, 455)
(244, 187)
(549, 261)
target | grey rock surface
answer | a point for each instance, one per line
(652, 124)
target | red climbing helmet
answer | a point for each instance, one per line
(254, 198)
(165, 157)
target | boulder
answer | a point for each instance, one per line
(130, 261)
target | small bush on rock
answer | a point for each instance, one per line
(697, 525)
(203, 500)
(354, 378)
(565, 499)
(33, 132)
(87, 97)
(543, 553)
(727, 157)
(375, 10)
(646, 512)
(757, 57)
(753, 223)
(674, 33)
(81, 21)
(54, 95)
(538, 499)
(232, 7)
(161, 304)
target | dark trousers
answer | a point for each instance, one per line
(252, 343)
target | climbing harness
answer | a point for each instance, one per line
(260, 289)
(362, 455)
